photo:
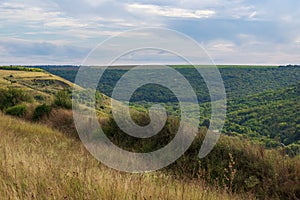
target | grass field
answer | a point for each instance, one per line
(19, 78)
(36, 83)
(40, 163)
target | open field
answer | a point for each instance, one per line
(40, 163)
(19, 78)
(39, 84)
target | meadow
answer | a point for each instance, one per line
(41, 163)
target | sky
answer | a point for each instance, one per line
(231, 31)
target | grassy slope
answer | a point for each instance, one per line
(34, 165)
(37, 83)
(39, 163)
(23, 77)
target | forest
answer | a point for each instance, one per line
(262, 101)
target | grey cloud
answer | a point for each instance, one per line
(47, 51)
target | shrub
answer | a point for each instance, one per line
(39, 97)
(41, 111)
(63, 100)
(11, 97)
(18, 111)
(206, 123)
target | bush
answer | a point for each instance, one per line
(41, 111)
(39, 97)
(63, 100)
(18, 111)
(11, 97)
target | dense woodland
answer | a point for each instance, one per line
(262, 102)
(238, 81)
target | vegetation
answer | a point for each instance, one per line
(233, 167)
(11, 96)
(242, 167)
(271, 116)
(261, 102)
(63, 99)
(39, 163)
(21, 68)
(235, 164)
(239, 167)
(239, 81)
(18, 111)
(41, 111)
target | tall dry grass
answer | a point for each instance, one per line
(39, 163)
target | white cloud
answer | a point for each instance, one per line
(95, 2)
(167, 11)
(65, 22)
(21, 12)
(252, 15)
(233, 31)
(49, 22)
(221, 46)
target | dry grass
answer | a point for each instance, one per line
(25, 75)
(40, 163)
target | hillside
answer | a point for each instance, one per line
(37, 82)
(40, 163)
(34, 163)
(239, 81)
(34, 166)
(262, 101)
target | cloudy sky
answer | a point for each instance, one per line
(231, 31)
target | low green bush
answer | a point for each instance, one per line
(41, 111)
(11, 97)
(63, 99)
(18, 111)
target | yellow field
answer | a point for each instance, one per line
(24, 76)
(36, 83)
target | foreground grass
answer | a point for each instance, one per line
(39, 163)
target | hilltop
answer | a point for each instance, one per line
(35, 81)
